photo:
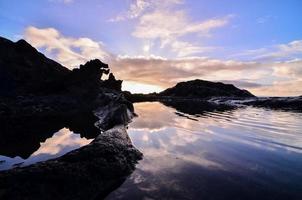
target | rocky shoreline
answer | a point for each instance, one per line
(38, 97)
(281, 103)
(89, 172)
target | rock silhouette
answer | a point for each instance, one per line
(24, 70)
(204, 89)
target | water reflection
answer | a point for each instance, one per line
(29, 140)
(246, 153)
(59, 144)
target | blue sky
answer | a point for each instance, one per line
(153, 44)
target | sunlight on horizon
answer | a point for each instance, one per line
(136, 87)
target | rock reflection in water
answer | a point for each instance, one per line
(221, 154)
(20, 138)
(60, 143)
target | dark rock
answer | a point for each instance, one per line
(204, 89)
(111, 115)
(90, 172)
(142, 97)
(45, 86)
(24, 70)
(38, 97)
(112, 83)
(197, 107)
(42, 116)
(284, 103)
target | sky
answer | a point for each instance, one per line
(153, 44)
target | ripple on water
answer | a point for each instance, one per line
(245, 153)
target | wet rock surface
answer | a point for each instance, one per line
(221, 102)
(90, 172)
(280, 103)
(284, 103)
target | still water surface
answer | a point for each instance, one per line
(245, 153)
(55, 146)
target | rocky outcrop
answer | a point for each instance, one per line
(284, 103)
(112, 83)
(24, 70)
(34, 85)
(192, 90)
(204, 89)
(38, 96)
(90, 172)
(142, 97)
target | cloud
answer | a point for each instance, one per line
(290, 69)
(67, 50)
(167, 72)
(169, 26)
(278, 52)
(265, 19)
(280, 88)
(138, 7)
(167, 22)
(185, 48)
(155, 73)
(243, 83)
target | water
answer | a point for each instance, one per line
(30, 140)
(189, 153)
(55, 146)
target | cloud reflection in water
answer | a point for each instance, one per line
(245, 153)
(59, 144)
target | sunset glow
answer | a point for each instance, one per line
(153, 44)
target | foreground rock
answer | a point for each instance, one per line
(38, 96)
(90, 172)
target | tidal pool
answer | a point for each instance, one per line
(242, 153)
(60, 143)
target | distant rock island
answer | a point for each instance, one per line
(215, 94)
(204, 89)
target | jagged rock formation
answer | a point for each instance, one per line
(204, 89)
(24, 70)
(38, 96)
(34, 85)
(112, 83)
